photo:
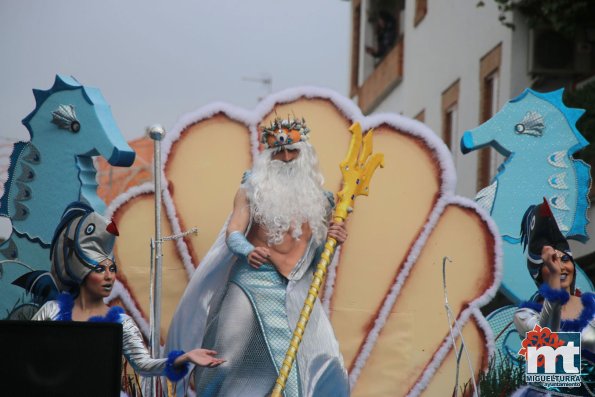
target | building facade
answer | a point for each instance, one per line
(452, 65)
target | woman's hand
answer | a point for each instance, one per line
(552, 266)
(200, 357)
(551, 258)
(258, 256)
(337, 231)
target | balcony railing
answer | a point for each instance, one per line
(387, 74)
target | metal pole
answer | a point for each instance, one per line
(156, 132)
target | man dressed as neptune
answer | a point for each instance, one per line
(244, 299)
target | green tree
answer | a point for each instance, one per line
(562, 16)
(584, 98)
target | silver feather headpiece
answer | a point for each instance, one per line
(532, 124)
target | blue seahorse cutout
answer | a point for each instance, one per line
(537, 134)
(70, 124)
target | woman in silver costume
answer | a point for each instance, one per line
(558, 305)
(83, 267)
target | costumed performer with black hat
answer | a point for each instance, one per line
(245, 297)
(558, 305)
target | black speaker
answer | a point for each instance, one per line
(55, 358)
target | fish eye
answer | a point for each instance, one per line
(519, 128)
(90, 229)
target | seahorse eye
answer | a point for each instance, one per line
(75, 126)
(519, 128)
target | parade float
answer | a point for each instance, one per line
(404, 293)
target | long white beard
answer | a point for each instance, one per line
(287, 195)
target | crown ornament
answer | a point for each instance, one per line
(283, 132)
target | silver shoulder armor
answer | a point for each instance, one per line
(48, 312)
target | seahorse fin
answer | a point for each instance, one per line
(13, 161)
(9, 249)
(485, 197)
(578, 230)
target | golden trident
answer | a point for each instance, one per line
(357, 169)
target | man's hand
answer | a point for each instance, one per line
(371, 51)
(337, 231)
(258, 256)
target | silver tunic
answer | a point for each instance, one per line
(525, 320)
(133, 346)
(218, 313)
(550, 315)
(251, 325)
